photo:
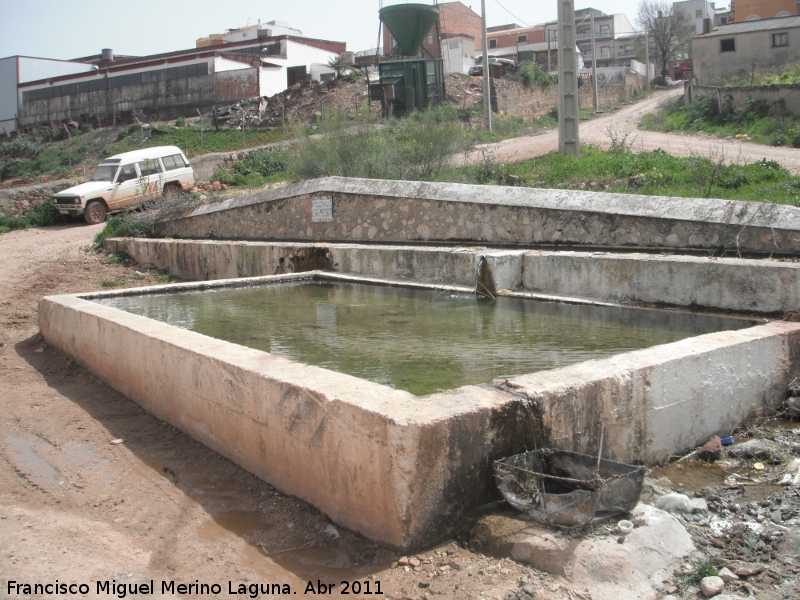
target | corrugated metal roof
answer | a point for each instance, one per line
(753, 26)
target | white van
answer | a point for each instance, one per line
(127, 179)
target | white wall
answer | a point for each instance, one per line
(33, 69)
(458, 54)
(225, 64)
(8, 93)
(273, 80)
(30, 69)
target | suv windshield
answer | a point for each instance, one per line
(104, 173)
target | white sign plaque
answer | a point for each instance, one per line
(321, 209)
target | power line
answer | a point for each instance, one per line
(512, 14)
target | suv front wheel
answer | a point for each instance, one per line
(95, 212)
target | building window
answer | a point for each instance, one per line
(604, 30)
(492, 43)
(782, 14)
(780, 39)
(723, 21)
(728, 45)
(522, 39)
(698, 14)
(430, 40)
(605, 51)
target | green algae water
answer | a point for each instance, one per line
(416, 340)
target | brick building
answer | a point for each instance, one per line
(512, 36)
(752, 10)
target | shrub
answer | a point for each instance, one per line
(180, 122)
(660, 81)
(531, 74)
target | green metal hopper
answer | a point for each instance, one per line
(409, 24)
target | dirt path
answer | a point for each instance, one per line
(79, 506)
(624, 122)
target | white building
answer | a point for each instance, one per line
(21, 69)
(696, 11)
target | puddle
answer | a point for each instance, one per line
(692, 476)
(27, 455)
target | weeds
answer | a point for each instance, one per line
(417, 147)
(106, 283)
(758, 120)
(43, 215)
(163, 276)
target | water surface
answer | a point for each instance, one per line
(416, 340)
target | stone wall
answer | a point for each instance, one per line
(781, 98)
(21, 200)
(336, 209)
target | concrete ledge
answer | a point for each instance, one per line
(730, 284)
(367, 210)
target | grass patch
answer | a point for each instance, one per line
(416, 147)
(107, 283)
(118, 258)
(650, 173)
(163, 276)
(758, 121)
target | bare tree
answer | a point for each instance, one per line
(670, 30)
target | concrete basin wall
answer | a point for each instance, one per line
(656, 402)
(403, 469)
(336, 209)
(731, 284)
(376, 460)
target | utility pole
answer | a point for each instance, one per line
(568, 134)
(549, 67)
(647, 58)
(487, 88)
(594, 66)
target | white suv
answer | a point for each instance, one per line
(127, 179)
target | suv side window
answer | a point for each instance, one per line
(148, 167)
(126, 173)
(173, 162)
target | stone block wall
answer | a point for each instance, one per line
(375, 211)
(22, 200)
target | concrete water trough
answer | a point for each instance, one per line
(406, 469)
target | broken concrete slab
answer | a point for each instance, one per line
(632, 569)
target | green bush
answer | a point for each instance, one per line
(416, 147)
(180, 122)
(531, 74)
(43, 215)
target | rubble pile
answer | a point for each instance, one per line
(307, 101)
(746, 524)
(247, 112)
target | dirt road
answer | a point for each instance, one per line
(623, 123)
(93, 489)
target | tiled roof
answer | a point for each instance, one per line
(753, 26)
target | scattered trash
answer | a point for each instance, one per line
(172, 474)
(727, 441)
(711, 450)
(568, 488)
(792, 476)
(755, 449)
(675, 503)
(332, 531)
(759, 466)
(117, 441)
(625, 527)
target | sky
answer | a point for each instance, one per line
(71, 29)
